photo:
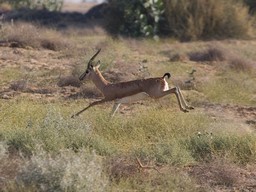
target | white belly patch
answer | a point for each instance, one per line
(133, 98)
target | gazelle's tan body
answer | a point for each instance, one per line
(152, 86)
(130, 91)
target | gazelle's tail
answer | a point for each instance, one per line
(167, 74)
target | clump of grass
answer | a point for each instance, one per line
(231, 87)
(68, 171)
(239, 149)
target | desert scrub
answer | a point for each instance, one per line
(26, 123)
(199, 19)
(240, 149)
(67, 171)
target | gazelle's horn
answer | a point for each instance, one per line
(93, 57)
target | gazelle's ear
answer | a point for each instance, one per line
(97, 65)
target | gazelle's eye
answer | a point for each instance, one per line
(87, 71)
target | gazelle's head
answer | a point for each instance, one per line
(90, 68)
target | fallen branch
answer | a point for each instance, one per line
(146, 166)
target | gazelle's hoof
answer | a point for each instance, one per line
(190, 107)
(185, 110)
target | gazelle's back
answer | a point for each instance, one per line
(129, 88)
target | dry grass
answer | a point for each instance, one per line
(217, 54)
(25, 35)
(213, 53)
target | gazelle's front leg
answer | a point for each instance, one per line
(183, 100)
(92, 104)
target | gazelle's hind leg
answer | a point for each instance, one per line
(115, 108)
(184, 103)
(175, 91)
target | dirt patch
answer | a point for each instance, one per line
(9, 168)
(224, 176)
(243, 114)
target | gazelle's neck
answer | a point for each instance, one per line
(99, 80)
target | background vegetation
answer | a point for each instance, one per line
(51, 5)
(186, 20)
(149, 145)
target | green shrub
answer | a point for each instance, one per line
(207, 19)
(135, 18)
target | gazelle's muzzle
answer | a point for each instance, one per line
(82, 76)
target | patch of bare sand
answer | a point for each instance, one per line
(243, 116)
